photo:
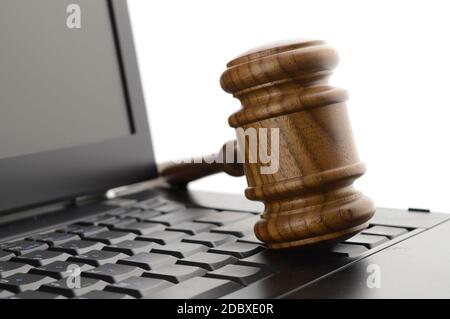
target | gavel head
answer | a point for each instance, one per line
(291, 116)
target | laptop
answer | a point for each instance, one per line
(73, 127)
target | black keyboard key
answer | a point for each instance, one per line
(139, 228)
(113, 273)
(347, 250)
(180, 249)
(25, 246)
(138, 287)
(209, 239)
(111, 237)
(131, 247)
(390, 232)
(148, 261)
(54, 238)
(198, 288)
(141, 215)
(83, 231)
(208, 261)
(29, 294)
(98, 257)
(175, 273)
(5, 255)
(116, 212)
(240, 229)
(78, 247)
(370, 241)
(60, 269)
(163, 237)
(239, 250)
(223, 218)
(41, 257)
(97, 294)
(8, 268)
(61, 287)
(191, 228)
(21, 282)
(243, 275)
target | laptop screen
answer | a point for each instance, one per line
(60, 76)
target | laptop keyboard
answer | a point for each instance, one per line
(152, 249)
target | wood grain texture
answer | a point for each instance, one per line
(310, 200)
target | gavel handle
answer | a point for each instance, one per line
(182, 173)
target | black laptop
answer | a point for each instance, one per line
(73, 125)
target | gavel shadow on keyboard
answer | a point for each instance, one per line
(294, 145)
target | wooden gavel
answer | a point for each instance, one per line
(309, 199)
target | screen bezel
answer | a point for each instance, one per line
(46, 177)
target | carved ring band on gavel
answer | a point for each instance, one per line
(310, 199)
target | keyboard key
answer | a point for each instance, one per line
(25, 246)
(208, 261)
(240, 229)
(150, 203)
(175, 273)
(8, 268)
(78, 247)
(243, 275)
(41, 257)
(139, 228)
(223, 218)
(5, 255)
(98, 257)
(163, 237)
(191, 228)
(36, 295)
(172, 218)
(198, 288)
(131, 247)
(111, 237)
(390, 232)
(370, 241)
(148, 261)
(59, 269)
(141, 215)
(169, 207)
(268, 259)
(54, 238)
(251, 239)
(61, 287)
(96, 294)
(138, 287)
(83, 231)
(180, 249)
(116, 212)
(113, 273)
(239, 250)
(5, 294)
(21, 282)
(347, 250)
(209, 239)
(103, 220)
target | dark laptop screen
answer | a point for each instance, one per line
(60, 76)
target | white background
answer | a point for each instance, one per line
(395, 62)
